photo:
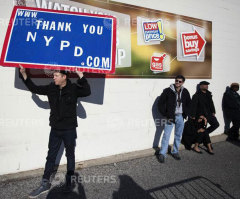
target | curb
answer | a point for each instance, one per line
(96, 162)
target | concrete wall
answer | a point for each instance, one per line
(124, 122)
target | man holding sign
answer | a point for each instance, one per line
(62, 97)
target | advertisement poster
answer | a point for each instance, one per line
(150, 43)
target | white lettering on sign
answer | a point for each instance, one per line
(62, 26)
(47, 40)
(94, 62)
(32, 37)
(26, 13)
(64, 44)
(89, 60)
(53, 26)
(92, 29)
(150, 26)
(105, 62)
(45, 25)
(78, 51)
(191, 44)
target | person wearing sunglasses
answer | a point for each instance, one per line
(173, 104)
(202, 104)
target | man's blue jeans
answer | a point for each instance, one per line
(179, 125)
(55, 140)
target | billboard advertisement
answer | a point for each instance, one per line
(149, 43)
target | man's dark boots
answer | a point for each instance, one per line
(68, 182)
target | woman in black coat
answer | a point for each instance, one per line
(195, 133)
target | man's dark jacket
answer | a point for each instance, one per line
(63, 102)
(167, 103)
(231, 104)
(202, 104)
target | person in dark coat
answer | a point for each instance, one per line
(227, 121)
(202, 136)
(189, 134)
(231, 105)
(62, 96)
(202, 104)
(174, 105)
(195, 133)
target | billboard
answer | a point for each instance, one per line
(150, 43)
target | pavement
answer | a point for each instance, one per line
(194, 176)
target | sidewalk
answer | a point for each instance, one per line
(195, 176)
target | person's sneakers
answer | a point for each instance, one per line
(161, 158)
(44, 187)
(176, 156)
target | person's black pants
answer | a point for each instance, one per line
(55, 140)
(212, 120)
(203, 137)
(233, 132)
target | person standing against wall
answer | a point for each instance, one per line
(202, 105)
(173, 104)
(227, 121)
(231, 105)
(62, 96)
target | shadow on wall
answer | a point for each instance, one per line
(159, 123)
(81, 113)
(97, 88)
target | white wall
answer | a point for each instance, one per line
(109, 128)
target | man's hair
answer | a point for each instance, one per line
(180, 77)
(63, 72)
(234, 85)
